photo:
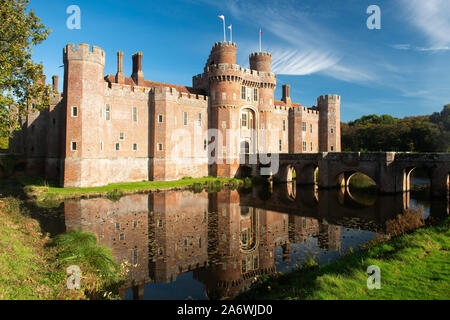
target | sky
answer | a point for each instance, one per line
(318, 47)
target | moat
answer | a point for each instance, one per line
(187, 245)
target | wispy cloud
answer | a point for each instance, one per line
(304, 45)
(415, 48)
(432, 19)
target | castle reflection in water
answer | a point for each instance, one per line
(226, 239)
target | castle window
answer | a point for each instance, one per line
(200, 242)
(160, 118)
(304, 126)
(304, 145)
(117, 146)
(73, 146)
(108, 112)
(101, 145)
(121, 237)
(135, 223)
(74, 111)
(160, 147)
(205, 145)
(332, 130)
(224, 124)
(243, 92)
(160, 223)
(255, 94)
(134, 114)
(117, 226)
(310, 128)
(332, 148)
(135, 257)
(199, 120)
(234, 96)
(160, 251)
(134, 146)
(244, 120)
(311, 146)
(121, 136)
(281, 145)
(284, 125)
(185, 118)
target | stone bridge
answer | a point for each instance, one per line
(391, 171)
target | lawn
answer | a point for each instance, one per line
(43, 190)
(413, 266)
(32, 266)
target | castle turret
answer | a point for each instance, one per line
(138, 74)
(329, 123)
(222, 52)
(261, 61)
(84, 101)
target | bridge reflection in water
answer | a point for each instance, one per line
(186, 245)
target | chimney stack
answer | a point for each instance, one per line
(55, 83)
(120, 77)
(286, 94)
(138, 75)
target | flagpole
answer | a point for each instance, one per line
(224, 32)
(231, 33)
(260, 33)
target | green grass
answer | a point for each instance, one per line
(43, 190)
(413, 266)
(33, 267)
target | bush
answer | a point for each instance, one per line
(114, 195)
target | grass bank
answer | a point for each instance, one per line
(413, 266)
(32, 266)
(43, 190)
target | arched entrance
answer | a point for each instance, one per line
(248, 124)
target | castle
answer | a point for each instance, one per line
(109, 129)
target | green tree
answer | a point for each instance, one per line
(21, 80)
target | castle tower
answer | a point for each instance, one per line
(261, 61)
(225, 97)
(84, 102)
(329, 123)
(222, 53)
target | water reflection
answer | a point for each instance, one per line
(187, 245)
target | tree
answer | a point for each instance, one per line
(21, 80)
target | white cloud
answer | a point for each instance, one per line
(432, 18)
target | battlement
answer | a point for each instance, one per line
(174, 93)
(84, 52)
(219, 45)
(304, 110)
(329, 98)
(260, 54)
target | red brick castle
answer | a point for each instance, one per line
(108, 129)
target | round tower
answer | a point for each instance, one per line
(222, 53)
(261, 61)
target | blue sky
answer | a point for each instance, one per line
(318, 47)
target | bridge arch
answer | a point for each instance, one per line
(343, 178)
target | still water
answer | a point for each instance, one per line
(187, 245)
